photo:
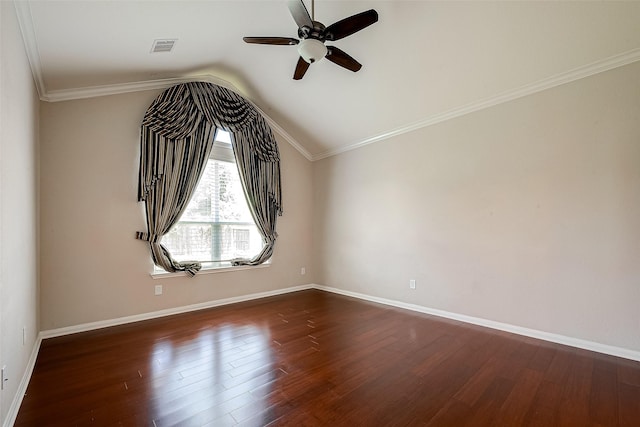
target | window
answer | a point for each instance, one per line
(217, 225)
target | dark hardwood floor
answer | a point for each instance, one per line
(313, 358)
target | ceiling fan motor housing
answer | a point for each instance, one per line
(315, 32)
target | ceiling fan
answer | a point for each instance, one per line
(312, 36)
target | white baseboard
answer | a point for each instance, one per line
(24, 383)
(546, 336)
(533, 333)
(167, 312)
(12, 414)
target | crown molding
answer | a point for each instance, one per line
(280, 130)
(25, 21)
(120, 88)
(597, 67)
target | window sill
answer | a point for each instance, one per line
(209, 270)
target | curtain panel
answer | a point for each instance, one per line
(175, 143)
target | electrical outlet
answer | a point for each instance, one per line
(303, 271)
(412, 284)
(158, 290)
(24, 335)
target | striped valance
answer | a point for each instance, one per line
(182, 109)
(176, 139)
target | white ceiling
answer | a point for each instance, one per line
(423, 62)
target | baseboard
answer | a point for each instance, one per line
(12, 414)
(533, 333)
(24, 383)
(51, 333)
(546, 336)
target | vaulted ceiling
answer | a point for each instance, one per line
(423, 62)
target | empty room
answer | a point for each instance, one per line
(319, 213)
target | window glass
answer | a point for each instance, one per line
(217, 225)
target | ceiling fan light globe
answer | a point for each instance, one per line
(312, 50)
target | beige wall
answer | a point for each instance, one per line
(527, 213)
(92, 267)
(18, 207)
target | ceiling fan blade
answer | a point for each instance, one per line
(300, 14)
(350, 25)
(338, 56)
(301, 68)
(271, 40)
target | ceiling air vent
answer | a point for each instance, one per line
(163, 45)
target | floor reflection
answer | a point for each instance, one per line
(220, 375)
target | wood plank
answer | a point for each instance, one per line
(515, 407)
(603, 399)
(629, 405)
(316, 358)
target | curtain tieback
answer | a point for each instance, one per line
(191, 268)
(149, 237)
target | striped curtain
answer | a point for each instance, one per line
(175, 142)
